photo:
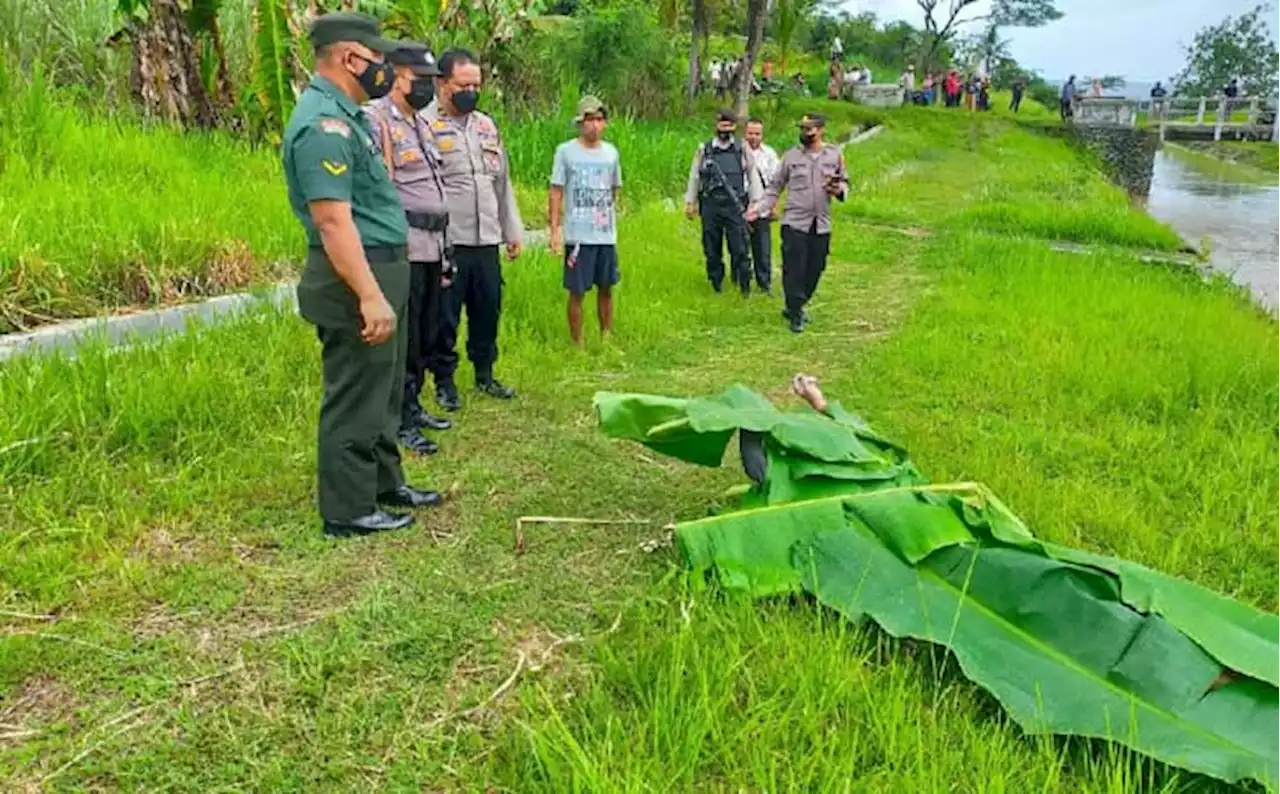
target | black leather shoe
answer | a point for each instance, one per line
(379, 521)
(494, 388)
(797, 324)
(447, 396)
(413, 440)
(421, 418)
(408, 496)
(717, 287)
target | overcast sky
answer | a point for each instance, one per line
(1139, 39)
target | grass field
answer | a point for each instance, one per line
(173, 620)
(1262, 158)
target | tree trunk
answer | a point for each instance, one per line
(755, 35)
(165, 72)
(695, 64)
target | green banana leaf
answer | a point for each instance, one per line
(1068, 641)
(808, 455)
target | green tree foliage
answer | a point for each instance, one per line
(620, 53)
(272, 75)
(790, 15)
(1023, 13)
(942, 21)
(1237, 47)
(867, 41)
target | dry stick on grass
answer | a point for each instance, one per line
(63, 638)
(86, 752)
(26, 615)
(522, 520)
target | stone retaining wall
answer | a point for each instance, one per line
(1127, 154)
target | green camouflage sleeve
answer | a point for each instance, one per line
(323, 157)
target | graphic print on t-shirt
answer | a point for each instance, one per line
(589, 177)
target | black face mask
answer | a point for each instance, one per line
(724, 135)
(807, 138)
(421, 92)
(466, 101)
(376, 79)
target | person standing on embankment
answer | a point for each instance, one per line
(586, 175)
(414, 166)
(723, 185)
(760, 233)
(811, 174)
(482, 216)
(355, 284)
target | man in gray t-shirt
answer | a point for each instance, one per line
(585, 178)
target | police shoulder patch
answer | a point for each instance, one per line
(335, 127)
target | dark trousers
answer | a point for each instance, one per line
(423, 319)
(804, 257)
(722, 222)
(359, 416)
(761, 253)
(477, 286)
(1016, 102)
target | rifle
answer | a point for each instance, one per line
(738, 201)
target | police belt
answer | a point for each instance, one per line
(373, 254)
(427, 221)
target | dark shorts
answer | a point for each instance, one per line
(593, 266)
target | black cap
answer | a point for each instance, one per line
(350, 26)
(726, 115)
(813, 120)
(416, 56)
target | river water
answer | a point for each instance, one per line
(1240, 221)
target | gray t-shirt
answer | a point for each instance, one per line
(588, 176)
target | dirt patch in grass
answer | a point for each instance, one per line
(37, 703)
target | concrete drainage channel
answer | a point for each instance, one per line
(125, 329)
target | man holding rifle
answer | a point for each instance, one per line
(723, 186)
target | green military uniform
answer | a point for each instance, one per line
(330, 153)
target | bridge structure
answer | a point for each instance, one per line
(1185, 118)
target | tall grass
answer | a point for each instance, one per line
(102, 214)
(158, 505)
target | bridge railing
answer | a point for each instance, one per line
(1219, 112)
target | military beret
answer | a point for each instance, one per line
(416, 56)
(350, 26)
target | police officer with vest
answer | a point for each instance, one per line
(723, 186)
(414, 164)
(812, 174)
(482, 216)
(355, 284)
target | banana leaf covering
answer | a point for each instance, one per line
(1069, 642)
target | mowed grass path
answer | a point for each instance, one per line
(202, 635)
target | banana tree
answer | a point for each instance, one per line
(166, 76)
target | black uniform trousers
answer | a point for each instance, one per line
(722, 222)
(424, 318)
(804, 257)
(357, 458)
(761, 252)
(477, 286)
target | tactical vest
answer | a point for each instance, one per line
(734, 177)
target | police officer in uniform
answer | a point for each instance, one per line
(355, 283)
(482, 215)
(812, 174)
(723, 185)
(414, 165)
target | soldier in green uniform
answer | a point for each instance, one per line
(356, 280)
